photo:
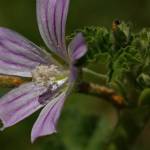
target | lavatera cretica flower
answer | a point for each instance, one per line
(51, 82)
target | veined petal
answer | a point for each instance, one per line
(20, 103)
(52, 16)
(77, 48)
(46, 122)
(18, 56)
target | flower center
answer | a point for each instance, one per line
(49, 76)
(53, 78)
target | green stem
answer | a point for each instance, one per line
(101, 76)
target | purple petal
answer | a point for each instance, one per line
(52, 16)
(77, 47)
(73, 74)
(20, 103)
(46, 122)
(18, 56)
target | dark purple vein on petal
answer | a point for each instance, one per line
(30, 101)
(26, 57)
(48, 38)
(38, 56)
(15, 98)
(16, 95)
(20, 54)
(35, 52)
(26, 104)
(53, 117)
(15, 64)
(22, 45)
(78, 46)
(62, 25)
(54, 23)
(45, 118)
(46, 16)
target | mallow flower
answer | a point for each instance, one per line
(51, 82)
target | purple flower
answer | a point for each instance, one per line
(51, 81)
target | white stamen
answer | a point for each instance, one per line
(49, 76)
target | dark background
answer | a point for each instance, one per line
(73, 133)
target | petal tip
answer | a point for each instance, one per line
(77, 47)
(35, 137)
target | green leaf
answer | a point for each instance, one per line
(144, 98)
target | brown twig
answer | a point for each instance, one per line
(11, 81)
(103, 92)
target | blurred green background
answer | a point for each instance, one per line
(79, 126)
